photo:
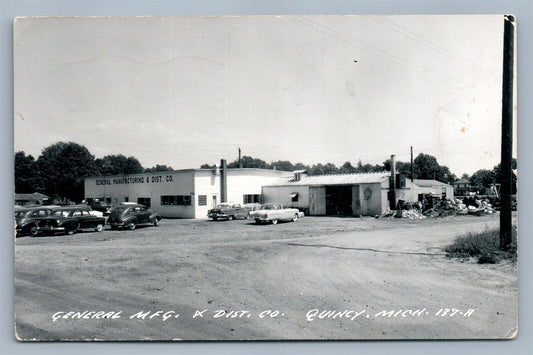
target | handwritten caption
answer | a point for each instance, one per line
(314, 314)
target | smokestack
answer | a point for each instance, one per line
(412, 168)
(393, 180)
(223, 181)
(240, 160)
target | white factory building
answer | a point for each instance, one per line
(186, 193)
(190, 193)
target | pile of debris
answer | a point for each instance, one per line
(436, 207)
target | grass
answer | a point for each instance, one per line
(485, 246)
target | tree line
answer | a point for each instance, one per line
(60, 170)
(424, 167)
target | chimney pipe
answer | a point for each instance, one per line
(240, 160)
(393, 181)
(412, 167)
(223, 181)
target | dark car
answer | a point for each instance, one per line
(129, 216)
(27, 218)
(228, 211)
(101, 206)
(69, 220)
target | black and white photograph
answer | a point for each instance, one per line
(298, 177)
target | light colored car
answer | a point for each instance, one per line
(274, 212)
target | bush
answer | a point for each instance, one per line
(484, 245)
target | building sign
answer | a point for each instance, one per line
(155, 179)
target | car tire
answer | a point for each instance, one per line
(295, 218)
(230, 218)
(34, 231)
(99, 227)
(132, 225)
(73, 230)
(156, 222)
(274, 221)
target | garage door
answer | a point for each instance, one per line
(317, 201)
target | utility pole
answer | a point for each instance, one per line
(240, 160)
(506, 224)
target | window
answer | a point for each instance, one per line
(145, 201)
(251, 198)
(294, 197)
(202, 200)
(179, 200)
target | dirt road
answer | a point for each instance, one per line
(317, 278)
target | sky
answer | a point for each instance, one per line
(184, 91)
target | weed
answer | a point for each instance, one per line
(483, 245)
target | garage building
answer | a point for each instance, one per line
(366, 194)
(188, 193)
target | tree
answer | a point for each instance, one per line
(158, 168)
(401, 167)
(63, 167)
(118, 165)
(427, 167)
(482, 180)
(320, 169)
(347, 168)
(249, 162)
(27, 177)
(498, 171)
(284, 165)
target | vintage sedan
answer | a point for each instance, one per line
(26, 218)
(228, 211)
(274, 212)
(69, 220)
(131, 215)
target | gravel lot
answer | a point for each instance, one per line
(198, 279)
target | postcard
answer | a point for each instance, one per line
(265, 178)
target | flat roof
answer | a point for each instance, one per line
(339, 179)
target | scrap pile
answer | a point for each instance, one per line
(433, 206)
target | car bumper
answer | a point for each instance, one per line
(217, 215)
(51, 229)
(116, 224)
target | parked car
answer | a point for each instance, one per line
(131, 215)
(273, 212)
(228, 211)
(69, 220)
(27, 218)
(101, 206)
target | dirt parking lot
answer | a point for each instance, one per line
(317, 278)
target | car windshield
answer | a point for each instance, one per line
(224, 205)
(269, 207)
(61, 213)
(20, 214)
